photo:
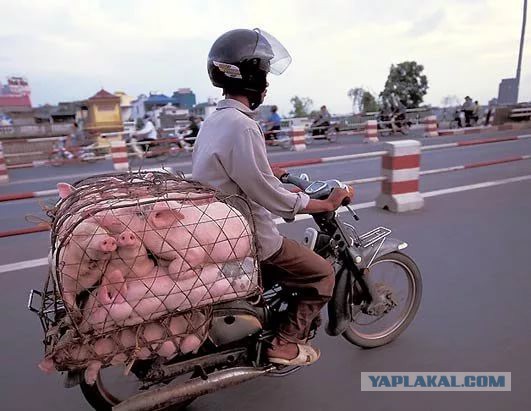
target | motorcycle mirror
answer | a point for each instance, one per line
(304, 177)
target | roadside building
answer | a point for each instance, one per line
(104, 113)
(138, 109)
(126, 105)
(184, 98)
(155, 101)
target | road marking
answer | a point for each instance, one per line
(469, 187)
(6, 268)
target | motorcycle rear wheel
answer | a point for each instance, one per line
(355, 333)
(103, 398)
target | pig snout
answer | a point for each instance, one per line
(127, 239)
(107, 244)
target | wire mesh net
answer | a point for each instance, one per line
(137, 261)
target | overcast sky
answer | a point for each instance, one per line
(68, 49)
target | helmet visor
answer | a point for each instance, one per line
(269, 46)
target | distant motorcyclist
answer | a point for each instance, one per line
(147, 135)
(273, 124)
(322, 122)
(468, 109)
(398, 116)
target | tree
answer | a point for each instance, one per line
(407, 83)
(301, 106)
(362, 100)
(369, 102)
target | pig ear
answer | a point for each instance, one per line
(164, 218)
(65, 189)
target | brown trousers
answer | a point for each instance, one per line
(299, 268)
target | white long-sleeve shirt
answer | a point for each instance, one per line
(148, 131)
(230, 155)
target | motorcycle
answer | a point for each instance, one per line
(162, 148)
(327, 132)
(61, 154)
(367, 309)
(276, 137)
(401, 123)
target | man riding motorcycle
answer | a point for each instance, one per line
(273, 124)
(230, 155)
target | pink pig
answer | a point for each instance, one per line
(194, 235)
(83, 259)
(131, 257)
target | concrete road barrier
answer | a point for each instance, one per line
(298, 138)
(400, 167)
(371, 132)
(119, 155)
(4, 177)
(431, 126)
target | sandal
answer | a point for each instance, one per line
(307, 356)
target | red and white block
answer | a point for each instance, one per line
(431, 127)
(371, 132)
(400, 168)
(298, 138)
(4, 177)
(119, 155)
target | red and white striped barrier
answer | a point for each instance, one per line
(298, 138)
(22, 231)
(431, 126)
(371, 132)
(26, 195)
(400, 167)
(476, 165)
(119, 155)
(4, 177)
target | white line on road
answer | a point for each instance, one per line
(6, 268)
(459, 189)
(39, 262)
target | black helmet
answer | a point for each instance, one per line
(239, 61)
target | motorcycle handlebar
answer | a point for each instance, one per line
(322, 193)
(296, 181)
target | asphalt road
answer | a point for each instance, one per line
(471, 246)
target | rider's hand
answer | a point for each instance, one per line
(341, 196)
(278, 172)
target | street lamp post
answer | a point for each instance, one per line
(519, 67)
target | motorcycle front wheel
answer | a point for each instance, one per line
(56, 159)
(369, 329)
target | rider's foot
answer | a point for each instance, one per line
(288, 353)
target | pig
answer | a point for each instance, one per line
(194, 235)
(131, 257)
(183, 334)
(128, 302)
(107, 306)
(83, 259)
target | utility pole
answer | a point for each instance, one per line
(519, 67)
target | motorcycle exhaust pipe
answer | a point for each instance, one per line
(167, 396)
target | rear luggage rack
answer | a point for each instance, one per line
(373, 236)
